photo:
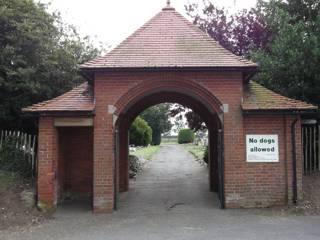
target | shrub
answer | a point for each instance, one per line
(140, 133)
(206, 155)
(185, 136)
(135, 166)
(13, 159)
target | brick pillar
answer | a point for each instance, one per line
(47, 164)
(213, 159)
(103, 163)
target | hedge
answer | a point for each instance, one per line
(185, 136)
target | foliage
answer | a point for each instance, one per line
(282, 36)
(135, 166)
(178, 123)
(156, 138)
(140, 133)
(158, 119)
(185, 136)
(13, 159)
(206, 155)
(194, 120)
(305, 10)
(290, 65)
(238, 33)
(39, 58)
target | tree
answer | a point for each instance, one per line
(140, 133)
(39, 58)
(282, 36)
(290, 65)
(158, 119)
(178, 124)
(238, 33)
(305, 10)
(194, 121)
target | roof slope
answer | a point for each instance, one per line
(257, 97)
(169, 40)
(79, 99)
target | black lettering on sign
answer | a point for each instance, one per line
(267, 141)
(252, 140)
(257, 149)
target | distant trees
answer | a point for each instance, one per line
(158, 119)
(194, 121)
(39, 58)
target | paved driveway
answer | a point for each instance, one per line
(170, 200)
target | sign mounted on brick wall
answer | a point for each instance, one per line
(262, 148)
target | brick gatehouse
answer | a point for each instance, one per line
(255, 155)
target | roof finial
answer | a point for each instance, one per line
(168, 7)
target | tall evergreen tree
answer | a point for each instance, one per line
(158, 119)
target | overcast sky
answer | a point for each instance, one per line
(111, 21)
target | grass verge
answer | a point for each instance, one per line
(197, 151)
(146, 152)
(169, 140)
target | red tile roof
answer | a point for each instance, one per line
(169, 40)
(79, 99)
(259, 98)
(256, 98)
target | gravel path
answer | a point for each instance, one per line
(170, 200)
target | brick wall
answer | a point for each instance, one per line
(268, 184)
(246, 184)
(76, 159)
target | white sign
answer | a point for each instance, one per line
(262, 148)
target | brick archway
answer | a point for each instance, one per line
(183, 91)
(180, 85)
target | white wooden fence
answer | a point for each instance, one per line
(26, 143)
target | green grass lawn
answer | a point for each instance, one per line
(169, 140)
(197, 151)
(6, 179)
(146, 152)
